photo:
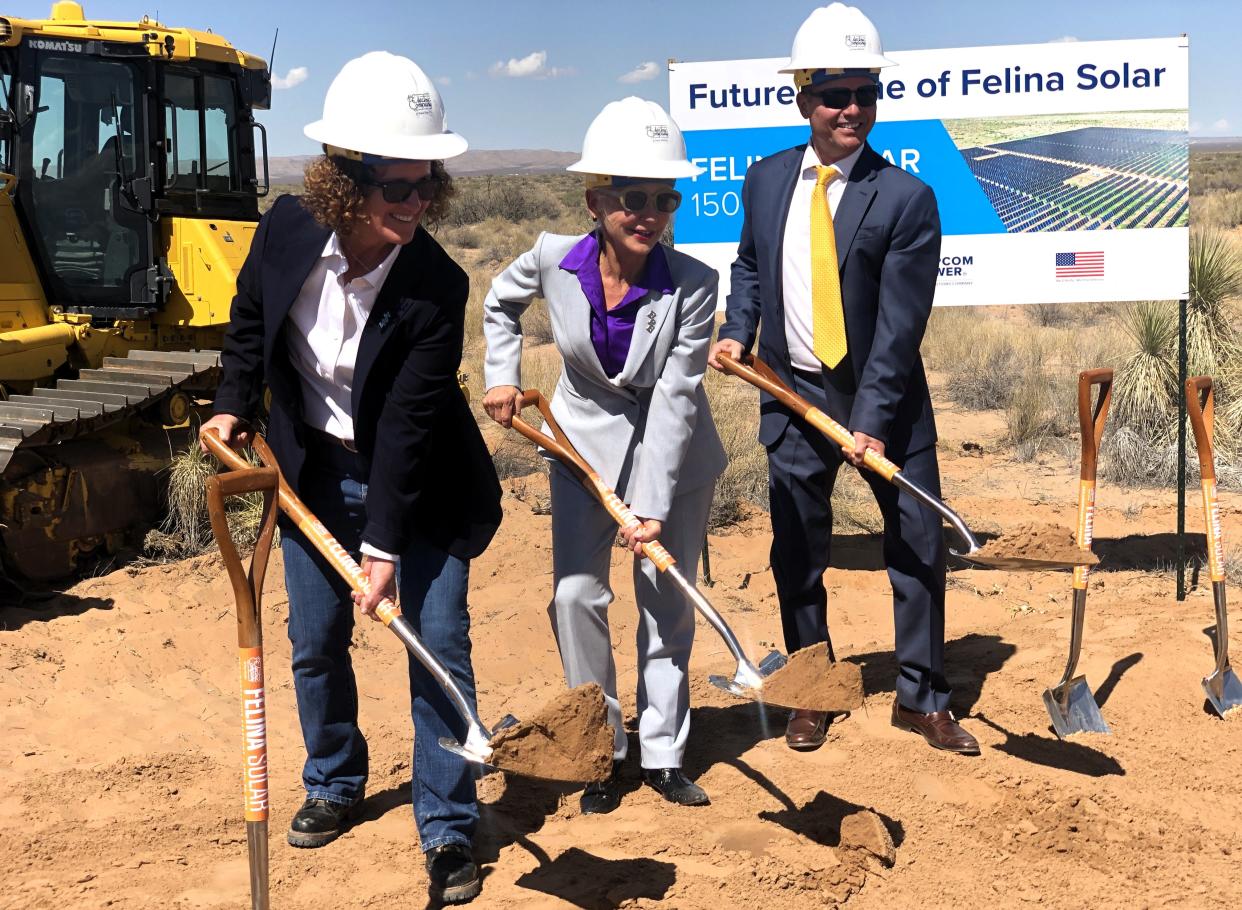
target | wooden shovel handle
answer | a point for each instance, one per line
(1091, 418)
(1201, 407)
(760, 375)
(307, 523)
(247, 586)
(560, 446)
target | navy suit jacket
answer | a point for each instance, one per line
(887, 230)
(429, 475)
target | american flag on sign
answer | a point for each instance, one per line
(1080, 265)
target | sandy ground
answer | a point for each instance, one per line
(120, 733)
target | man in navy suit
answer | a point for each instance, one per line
(886, 230)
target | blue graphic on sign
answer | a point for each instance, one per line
(711, 211)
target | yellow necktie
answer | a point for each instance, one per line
(827, 314)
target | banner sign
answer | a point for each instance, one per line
(1061, 170)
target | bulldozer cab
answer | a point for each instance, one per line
(105, 140)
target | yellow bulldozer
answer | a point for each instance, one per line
(131, 169)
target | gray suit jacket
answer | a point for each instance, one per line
(648, 431)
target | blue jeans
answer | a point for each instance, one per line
(432, 587)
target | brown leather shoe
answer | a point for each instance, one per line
(940, 729)
(807, 730)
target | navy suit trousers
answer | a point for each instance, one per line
(802, 468)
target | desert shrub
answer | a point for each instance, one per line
(744, 483)
(186, 529)
(510, 199)
(1049, 314)
(983, 376)
(1145, 385)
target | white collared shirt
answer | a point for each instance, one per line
(796, 255)
(327, 319)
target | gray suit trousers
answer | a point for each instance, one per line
(582, 541)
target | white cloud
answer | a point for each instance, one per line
(1221, 125)
(1064, 39)
(533, 65)
(444, 80)
(295, 76)
(641, 73)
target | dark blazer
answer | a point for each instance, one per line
(887, 230)
(429, 473)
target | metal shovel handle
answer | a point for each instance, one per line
(352, 573)
(560, 446)
(759, 374)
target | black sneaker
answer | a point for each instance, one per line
(318, 822)
(675, 786)
(454, 874)
(601, 797)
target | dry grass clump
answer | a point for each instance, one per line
(744, 483)
(186, 530)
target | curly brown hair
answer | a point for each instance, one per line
(334, 195)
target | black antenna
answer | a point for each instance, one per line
(271, 60)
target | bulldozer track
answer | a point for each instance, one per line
(122, 388)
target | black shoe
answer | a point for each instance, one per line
(675, 786)
(454, 874)
(318, 822)
(602, 797)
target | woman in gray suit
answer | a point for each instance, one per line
(632, 320)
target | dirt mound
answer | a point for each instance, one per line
(569, 740)
(1038, 541)
(813, 682)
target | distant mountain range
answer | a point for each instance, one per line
(289, 169)
(1216, 143)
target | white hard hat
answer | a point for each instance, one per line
(381, 105)
(837, 37)
(634, 138)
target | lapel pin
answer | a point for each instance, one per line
(384, 320)
(651, 321)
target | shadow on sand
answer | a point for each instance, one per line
(1050, 752)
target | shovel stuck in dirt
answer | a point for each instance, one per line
(1070, 703)
(997, 556)
(248, 592)
(808, 680)
(593, 732)
(1224, 691)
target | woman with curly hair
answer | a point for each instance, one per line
(353, 316)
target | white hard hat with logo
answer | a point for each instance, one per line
(634, 138)
(382, 106)
(837, 37)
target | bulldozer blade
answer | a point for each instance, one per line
(1073, 709)
(1224, 691)
(742, 684)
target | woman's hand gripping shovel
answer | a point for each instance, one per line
(775, 680)
(248, 591)
(480, 745)
(760, 375)
(1224, 691)
(1070, 703)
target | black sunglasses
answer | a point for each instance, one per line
(663, 201)
(395, 191)
(839, 98)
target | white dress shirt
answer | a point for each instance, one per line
(327, 319)
(796, 255)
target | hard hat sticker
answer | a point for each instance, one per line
(420, 103)
(856, 42)
(657, 132)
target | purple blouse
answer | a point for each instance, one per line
(612, 330)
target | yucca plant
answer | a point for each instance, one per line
(1215, 276)
(1145, 385)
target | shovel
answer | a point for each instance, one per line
(477, 747)
(1070, 703)
(248, 591)
(1224, 691)
(747, 681)
(760, 375)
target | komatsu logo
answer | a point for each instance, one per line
(40, 44)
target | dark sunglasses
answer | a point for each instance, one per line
(663, 201)
(395, 191)
(839, 98)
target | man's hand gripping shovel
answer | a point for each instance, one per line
(760, 375)
(478, 745)
(748, 681)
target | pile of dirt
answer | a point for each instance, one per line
(812, 682)
(569, 740)
(1052, 543)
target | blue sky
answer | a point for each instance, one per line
(532, 74)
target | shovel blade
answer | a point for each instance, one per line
(448, 744)
(1072, 709)
(1013, 563)
(1224, 691)
(739, 686)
